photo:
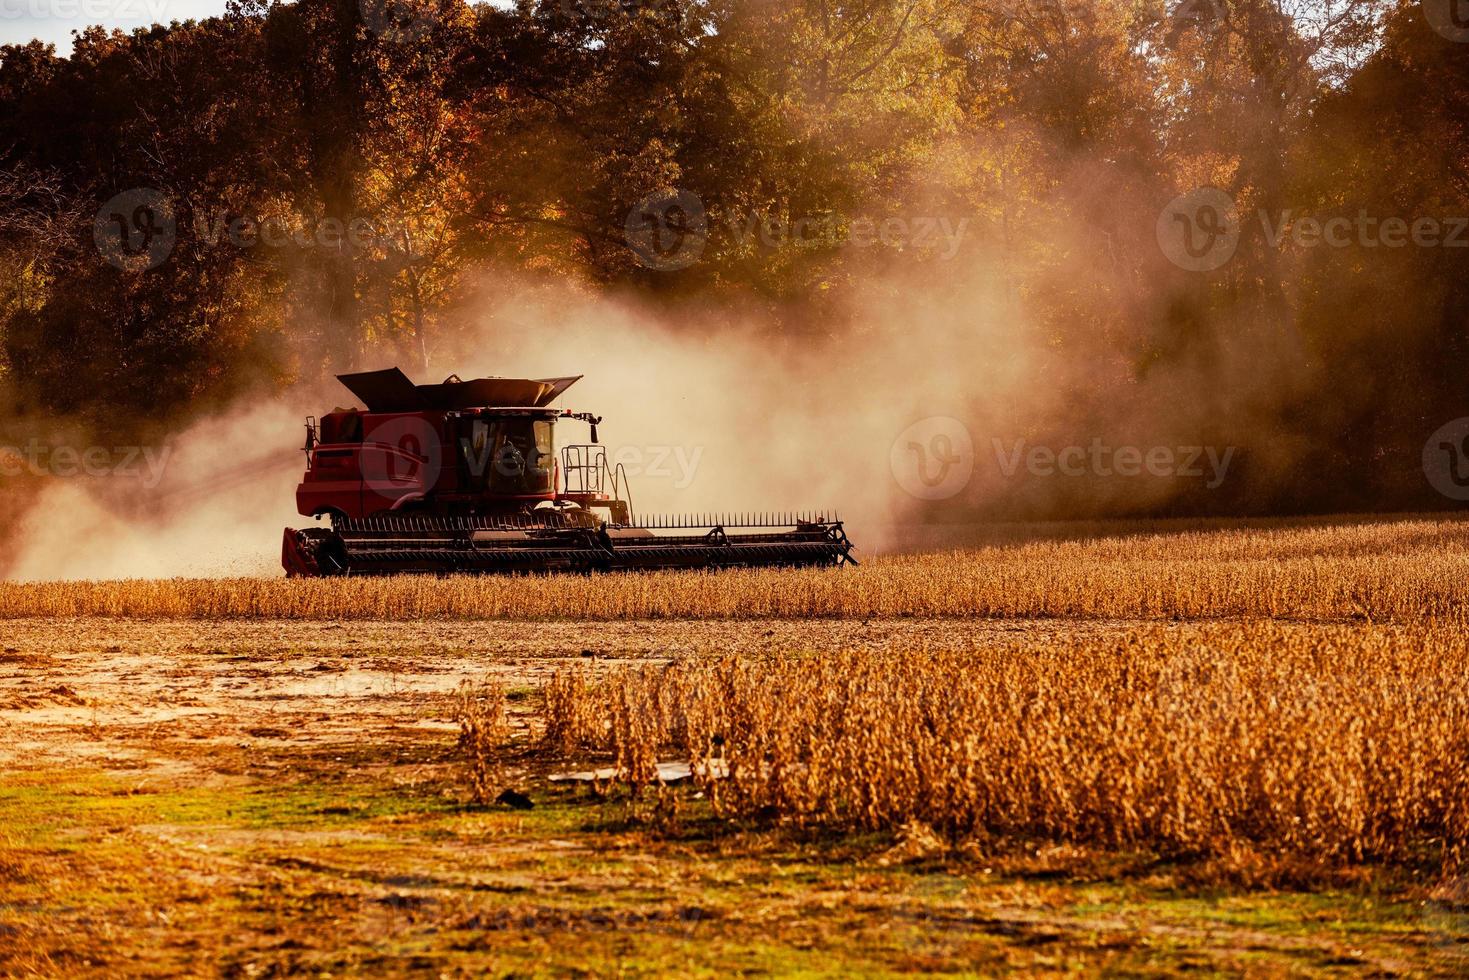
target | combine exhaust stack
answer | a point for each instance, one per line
(440, 479)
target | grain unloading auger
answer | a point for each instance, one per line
(464, 477)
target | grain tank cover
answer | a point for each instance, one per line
(558, 385)
(384, 391)
(391, 391)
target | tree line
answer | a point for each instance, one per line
(1266, 194)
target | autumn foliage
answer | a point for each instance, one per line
(491, 150)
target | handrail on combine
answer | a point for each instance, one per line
(620, 486)
(585, 470)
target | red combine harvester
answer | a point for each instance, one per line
(464, 477)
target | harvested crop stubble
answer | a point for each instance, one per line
(1335, 744)
(1403, 571)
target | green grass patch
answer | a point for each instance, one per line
(299, 875)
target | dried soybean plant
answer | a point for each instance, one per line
(484, 726)
(1410, 570)
(1332, 744)
(574, 716)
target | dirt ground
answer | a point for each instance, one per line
(251, 798)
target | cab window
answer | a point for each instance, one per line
(508, 456)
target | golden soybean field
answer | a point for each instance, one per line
(1413, 570)
(1337, 744)
(1330, 746)
(1122, 749)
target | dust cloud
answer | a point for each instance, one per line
(736, 421)
(214, 505)
(937, 368)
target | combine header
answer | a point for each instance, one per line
(464, 477)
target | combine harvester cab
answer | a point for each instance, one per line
(465, 477)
